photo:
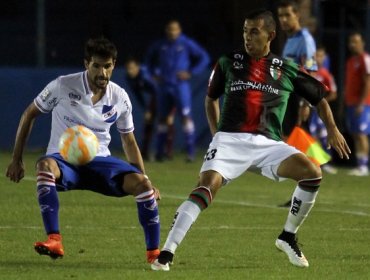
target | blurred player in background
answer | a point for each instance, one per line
(357, 101)
(88, 98)
(145, 90)
(172, 61)
(300, 47)
(256, 85)
(316, 125)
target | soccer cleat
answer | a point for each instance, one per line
(290, 247)
(328, 168)
(163, 262)
(359, 172)
(52, 247)
(152, 255)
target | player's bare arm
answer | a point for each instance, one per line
(335, 138)
(213, 113)
(132, 150)
(15, 170)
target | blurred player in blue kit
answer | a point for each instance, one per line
(172, 61)
(142, 86)
(87, 98)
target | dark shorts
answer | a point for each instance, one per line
(358, 123)
(103, 175)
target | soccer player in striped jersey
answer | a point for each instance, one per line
(357, 100)
(256, 85)
(90, 99)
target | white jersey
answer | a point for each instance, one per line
(69, 99)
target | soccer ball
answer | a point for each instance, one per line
(78, 145)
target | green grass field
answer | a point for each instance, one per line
(233, 239)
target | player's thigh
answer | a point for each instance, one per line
(183, 100)
(111, 176)
(358, 123)
(166, 102)
(228, 155)
(67, 175)
(298, 167)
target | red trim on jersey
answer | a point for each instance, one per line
(253, 98)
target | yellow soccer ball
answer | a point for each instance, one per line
(78, 145)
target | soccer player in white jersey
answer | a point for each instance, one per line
(87, 98)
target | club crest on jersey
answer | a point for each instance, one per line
(45, 94)
(275, 72)
(109, 113)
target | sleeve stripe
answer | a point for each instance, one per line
(38, 105)
(367, 63)
(126, 130)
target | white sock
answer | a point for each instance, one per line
(185, 216)
(302, 203)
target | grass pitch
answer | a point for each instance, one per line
(233, 239)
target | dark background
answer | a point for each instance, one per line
(39, 35)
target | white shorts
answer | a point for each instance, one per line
(231, 154)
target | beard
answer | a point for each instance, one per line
(101, 82)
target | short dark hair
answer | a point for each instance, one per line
(264, 14)
(289, 3)
(132, 59)
(357, 33)
(101, 47)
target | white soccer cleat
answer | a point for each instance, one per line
(359, 172)
(295, 255)
(157, 266)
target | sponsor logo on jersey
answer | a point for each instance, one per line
(238, 56)
(74, 96)
(245, 85)
(45, 94)
(52, 102)
(109, 113)
(237, 65)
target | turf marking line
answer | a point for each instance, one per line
(250, 204)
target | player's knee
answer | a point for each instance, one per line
(314, 171)
(188, 126)
(48, 165)
(143, 186)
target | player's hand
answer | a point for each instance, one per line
(359, 109)
(337, 141)
(157, 194)
(303, 114)
(183, 75)
(15, 171)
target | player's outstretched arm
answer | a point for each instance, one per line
(213, 113)
(132, 150)
(335, 138)
(15, 170)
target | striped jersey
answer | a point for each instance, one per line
(69, 100)
(256, 92)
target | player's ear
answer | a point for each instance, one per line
(272, 35)
(86, 63)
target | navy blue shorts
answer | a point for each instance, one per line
(178, 96)
(103, 175)
(358, 123)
